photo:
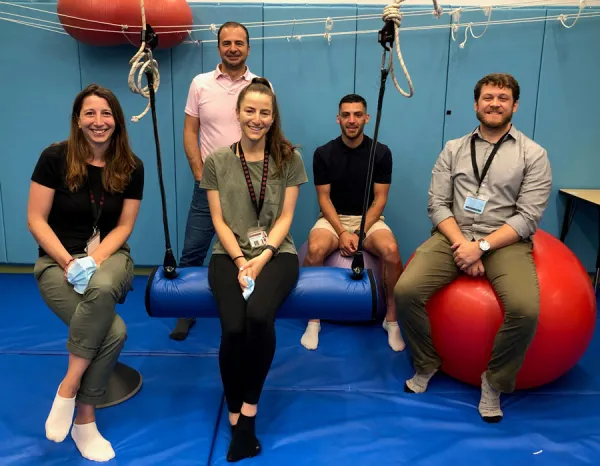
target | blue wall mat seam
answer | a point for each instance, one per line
(176, 237)
(3, 230)
(79, 65)
(262, 45)
(355, 49)
(537, 99)
(216, 430)
(446, 91)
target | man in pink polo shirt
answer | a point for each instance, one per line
(210, 116)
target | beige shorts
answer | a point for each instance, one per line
(350, 224)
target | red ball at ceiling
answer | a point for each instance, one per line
(88, 28)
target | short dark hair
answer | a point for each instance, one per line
(500, 80)
(352, 99)
(232, 24)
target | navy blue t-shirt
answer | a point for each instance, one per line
(345, 169)
(71, 216)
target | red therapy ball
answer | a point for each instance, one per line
(466, 315)
(160, 14)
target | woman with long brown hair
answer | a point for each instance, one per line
(84, 199)
(252, 188)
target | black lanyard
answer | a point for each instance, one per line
(263, 184)
(486, 167)
(96, 212)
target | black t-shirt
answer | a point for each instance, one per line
(71, 216)
(345, 169)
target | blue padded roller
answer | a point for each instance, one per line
(328, 293)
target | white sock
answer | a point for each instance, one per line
(394, 336)
(489, 404)
(310, 339)
(418, 384)
(60, 418)
(90, 442)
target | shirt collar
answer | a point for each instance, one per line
(511, 132)
(219, 73)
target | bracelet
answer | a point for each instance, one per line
(67, 264)
(236, 258)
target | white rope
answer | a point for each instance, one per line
(591, 14)
(210, 27)
(138, 65)
(392, 13)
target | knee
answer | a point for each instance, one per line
(102, 287)
(233, 333)
(118, 333)
(259, 324)
(406, 292)
(315, 254)
(522, 309)
(391, 255)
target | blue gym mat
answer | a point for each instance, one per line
(341, 404)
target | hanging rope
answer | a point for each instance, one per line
(140, 63)
(392, 14)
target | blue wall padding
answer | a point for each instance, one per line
(568, 124)
(40, 77)
(555, 69)
(320, 292)
(2, 240)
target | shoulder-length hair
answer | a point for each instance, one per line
(119, 159)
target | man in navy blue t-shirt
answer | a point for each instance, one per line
(340, 174)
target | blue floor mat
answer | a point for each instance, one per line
(171, 420)
(341, 404)
(366, 429)
(34, 328)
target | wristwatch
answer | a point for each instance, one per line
(357, 233)
(273, 249)
(484, 245)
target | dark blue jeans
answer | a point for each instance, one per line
(199, 230)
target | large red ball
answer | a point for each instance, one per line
(84, 21)
(466, 315)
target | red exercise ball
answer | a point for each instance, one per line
(92, 13)
(466, 315)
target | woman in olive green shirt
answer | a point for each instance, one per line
(252, 188)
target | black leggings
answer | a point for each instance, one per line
(248, 328)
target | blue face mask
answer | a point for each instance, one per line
(249, 289)
(80, 272)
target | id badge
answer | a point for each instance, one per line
(475, 204)
(257, 237)
(93, 243)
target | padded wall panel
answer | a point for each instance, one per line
(506, 48)
(39, 79)
(411, 127)
(309, 76)
(2, 240)
(190, 60)
(567, 123)
(109, 67)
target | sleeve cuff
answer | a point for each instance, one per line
(518, 223)
(440, 214)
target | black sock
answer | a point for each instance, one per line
(181, 330)
(244, 443)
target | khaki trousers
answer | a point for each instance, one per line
(96, 332)
(511, 272)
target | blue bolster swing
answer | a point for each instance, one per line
(328, 293)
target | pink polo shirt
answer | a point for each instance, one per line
(212, 98)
